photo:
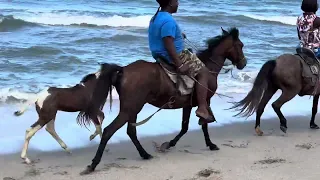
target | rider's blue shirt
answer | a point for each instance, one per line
(164, 25)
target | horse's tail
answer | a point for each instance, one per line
(23, 109)
(248, 105)
(109, 76)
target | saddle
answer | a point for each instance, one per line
(310, 68)
(184, 84)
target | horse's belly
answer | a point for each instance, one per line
(167, 102)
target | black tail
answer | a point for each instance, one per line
(109, 75)
(250, 103)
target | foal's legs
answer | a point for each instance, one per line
(50, 128)
(46, 113)
(264, 101)
(100, 118)
(184, 128)
(314, 112)
(287, 95)
(29, 133)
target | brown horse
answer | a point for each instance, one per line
(54, 99)
(288, 73)
(144, 82)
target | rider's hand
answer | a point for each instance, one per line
(183, 69)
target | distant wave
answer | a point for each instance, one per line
(288, 20)
(11, 22)
(32, 51)
(238, 16)
(116, 38)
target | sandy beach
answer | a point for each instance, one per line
(242, 155)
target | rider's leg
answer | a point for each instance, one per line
(202, 90)
(198, 70)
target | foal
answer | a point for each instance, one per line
(55, 99)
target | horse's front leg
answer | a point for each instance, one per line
(184, 129)
(209, 144)
(314, 112)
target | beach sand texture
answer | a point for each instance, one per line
(242, 155)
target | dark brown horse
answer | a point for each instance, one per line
(144, 82)
(287, 73)
(54, 99)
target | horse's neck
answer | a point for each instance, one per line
(89, 85)
(213, 63)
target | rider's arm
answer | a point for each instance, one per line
(169, 45)
(298, 34)
(168, 33)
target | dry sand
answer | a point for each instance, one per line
(242, 156)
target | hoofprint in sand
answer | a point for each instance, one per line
(243, 156)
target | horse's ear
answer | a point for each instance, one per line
(224, 31)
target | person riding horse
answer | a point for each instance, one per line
(308, 25)
(166, 43)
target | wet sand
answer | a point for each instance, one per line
(242, 156)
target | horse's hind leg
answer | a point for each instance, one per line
(108, 132)
(132, 133)
(314, 112)
(264, 101)
(29, 133)
(99, 118)
(51, 130)
(287, 95)
(184, 128)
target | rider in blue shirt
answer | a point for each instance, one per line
(166, 42)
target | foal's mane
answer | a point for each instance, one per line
(213, 42)
(88, 77)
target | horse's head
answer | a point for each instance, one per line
(233, 46)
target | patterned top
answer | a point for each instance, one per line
(310, 37)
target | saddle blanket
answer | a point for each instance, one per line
(185, 83)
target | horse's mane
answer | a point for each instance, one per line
(215, 41)
(88, 77)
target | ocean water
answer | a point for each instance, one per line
(56, 43)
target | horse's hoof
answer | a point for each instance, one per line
(214, 147)
(92, 137)
(283, 129)
(27, 160)
(68, 151)
(259, 132)
(314, 126)
(17, 113)
(88, 170)
(164, 146)
(147, 156)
